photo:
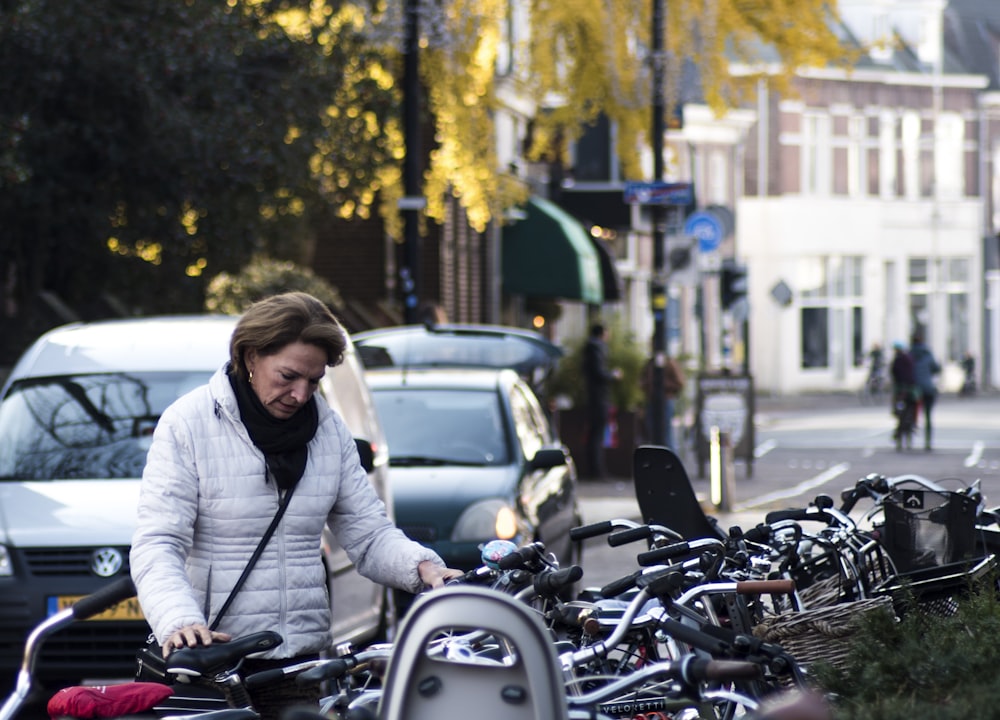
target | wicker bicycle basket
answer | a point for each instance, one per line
(822, 634)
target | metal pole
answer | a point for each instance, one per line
(409, 273)
(658, 290)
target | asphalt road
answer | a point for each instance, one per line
(816, 444)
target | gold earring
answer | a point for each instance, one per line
(250, 379)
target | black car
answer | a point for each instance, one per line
(473, 458)
(530, 354)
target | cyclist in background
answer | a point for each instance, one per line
(904, 398)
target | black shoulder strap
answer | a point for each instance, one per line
(253, 559)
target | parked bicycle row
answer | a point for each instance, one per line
(709, 622)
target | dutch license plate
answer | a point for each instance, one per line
(125, 610)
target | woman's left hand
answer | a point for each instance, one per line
(434, 575)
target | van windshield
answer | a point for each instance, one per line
(72, 427)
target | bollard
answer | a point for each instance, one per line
(721, 469)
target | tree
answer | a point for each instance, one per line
(261, 278)
(144, 146)
(147, 146)
(588, 57)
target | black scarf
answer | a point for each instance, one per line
(283, 442)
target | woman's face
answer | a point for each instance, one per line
(285, 381)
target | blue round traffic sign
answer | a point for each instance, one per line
(706, 228)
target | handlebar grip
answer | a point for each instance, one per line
(761, 534)
(521, 556)
(664, 582)
(695, 638)
(797, 514)
(266, 677)
(758, 587)
(725, 670)
(624, 537)
(330, 670)
(657, 556)
(617, 587)
(473, 576)
(108, 596)
(555, 581)
(584, 532)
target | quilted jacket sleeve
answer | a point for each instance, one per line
(378, 548)
(168, 504)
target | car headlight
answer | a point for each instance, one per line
(6, 566)
(486, 520)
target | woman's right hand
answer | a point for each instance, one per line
(192, 636)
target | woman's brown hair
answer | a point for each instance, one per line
(274, 322)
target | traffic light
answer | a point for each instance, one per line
(734, 284)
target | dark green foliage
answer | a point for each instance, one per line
(141, 141)
(923, 666)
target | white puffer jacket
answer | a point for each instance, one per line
(204, 505)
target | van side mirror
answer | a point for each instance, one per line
(366, 454)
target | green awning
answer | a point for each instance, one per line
(549, 254)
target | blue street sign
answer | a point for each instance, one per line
(658, 193)
(706, 228)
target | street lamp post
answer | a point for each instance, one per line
(658, 291)
(412, 203)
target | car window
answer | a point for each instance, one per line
(85, 426)
(464, 426)
(529, 421)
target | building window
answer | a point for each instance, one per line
(956, 275)
(918, 271)
(940, 289)
(815, 337)
(856, 157)
(832, 318)
(910, 137)
(958, 325)
(858, 337)
(887, 155)
(949, 156)
(816, 155)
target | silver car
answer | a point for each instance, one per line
(76, 418)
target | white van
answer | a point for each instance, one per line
(77, 414)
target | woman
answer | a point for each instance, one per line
(222, 458)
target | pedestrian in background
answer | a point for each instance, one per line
(925, 367)
(598, 378)
(673, 386)
(904, 400)
(969, 375)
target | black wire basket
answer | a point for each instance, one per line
(936, 590)
(928, 528)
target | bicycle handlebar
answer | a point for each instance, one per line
(555, 581)
(107, 597)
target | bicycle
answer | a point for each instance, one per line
(875, 390)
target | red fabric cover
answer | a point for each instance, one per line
(103, 701)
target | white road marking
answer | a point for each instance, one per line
(796, 490)
(975, 455)
(764, 448)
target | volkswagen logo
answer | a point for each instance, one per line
(105, 562)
